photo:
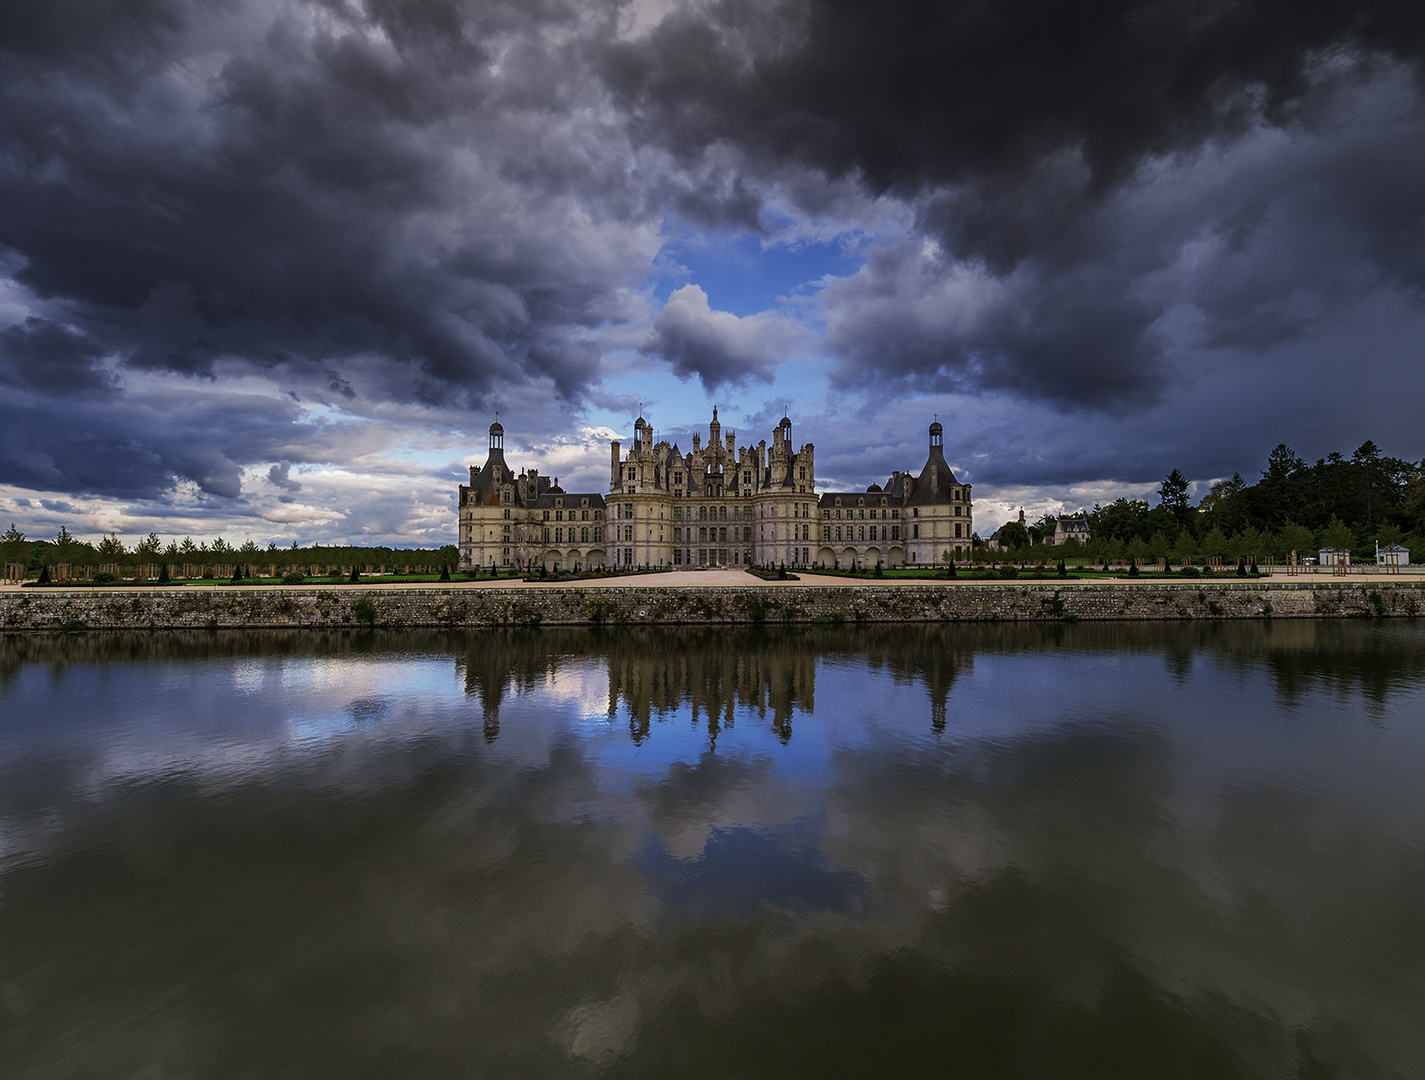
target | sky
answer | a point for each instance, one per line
(270, 268)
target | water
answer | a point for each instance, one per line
(1023, 851)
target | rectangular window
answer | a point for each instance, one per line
(702, 535)
(546, 536)
(895, 532)
(559, 536)
(702, 556)
(826, 532)
(722, 535)
(957, 511)
(863, 533)
(895, 515)
(546, 515)
(677, 556)
(584, 515)
(838, 532)
(957, 527)
(915, 532)
(559, 515)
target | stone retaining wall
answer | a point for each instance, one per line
(33, 610)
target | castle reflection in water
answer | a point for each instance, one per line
(713, 675)
(716, 675)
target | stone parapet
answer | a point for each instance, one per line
(35, 610)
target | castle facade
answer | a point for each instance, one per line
(715, 505)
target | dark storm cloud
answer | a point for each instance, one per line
(1040, 144)
(718, 347)
(305, 187)
(41, 355)
(140, 446)
(280, 476)
(919, 93)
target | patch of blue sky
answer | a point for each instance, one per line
(743, 274)
(679, 406)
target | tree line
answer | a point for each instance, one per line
(110, 550)
(1346, 503)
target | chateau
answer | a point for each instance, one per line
(716, 505)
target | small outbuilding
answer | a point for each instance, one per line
(1393, 556)
(1333, 558)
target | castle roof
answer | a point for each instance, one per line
(935, 482)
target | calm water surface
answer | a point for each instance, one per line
(1067, 851)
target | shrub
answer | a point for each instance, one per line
(355, 577)
(207, 573)
(444, 572)
(1189, 570)
(950, 570)
(364, 609)
(1009, 572)
(237, 574)
(294, 577)
(163, 574)
(1063, 570)
(43, 579)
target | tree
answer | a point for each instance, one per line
(1338, 535)
(66, 547)
(1283, 464)
(1297, 538)
(1173, 496)
(149, 546)
(1185, 545)
(14, 545)
(188, 549)
(1013, 536)
(111, 547)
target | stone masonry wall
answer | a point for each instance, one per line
(113, 609)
